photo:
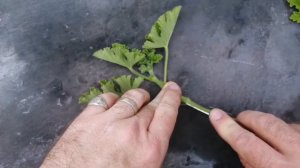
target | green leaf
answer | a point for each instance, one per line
(295, 17)
(126, 83)
(294, 3)
(107, 86)
(121, 84)
(121, 55)
(151, 58)
(136, 82)
(144, 69)
(162, 29)
(89, 95)
(296, 14)
(118, 85)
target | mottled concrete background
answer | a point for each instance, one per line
(231, 54)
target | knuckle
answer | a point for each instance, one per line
(138, 94)
(269, 160)
(271, 123)
(110, 95)
(149, 108)
(120, 109)
(134, 93)
(289, 138)
(167, 106)
(243, 139)
(172, 98)
(266, 121)
(174, 94)
(143, 91)
(244, 114)
(264, 161)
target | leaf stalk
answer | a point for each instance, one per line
(189, 102)
(166, 63)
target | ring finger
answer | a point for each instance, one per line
(100, 104)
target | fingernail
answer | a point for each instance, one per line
(216, 114)
(172, 86)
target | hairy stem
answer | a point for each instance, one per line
(185, 100)
(166, 64)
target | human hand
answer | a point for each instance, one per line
(261, 140)
(118, 137)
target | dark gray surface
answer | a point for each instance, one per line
(232, 54)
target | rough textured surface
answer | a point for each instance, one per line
(232, 54)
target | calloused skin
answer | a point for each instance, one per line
(119, 138)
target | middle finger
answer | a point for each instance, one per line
(146, 113)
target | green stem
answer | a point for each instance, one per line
(151, 78)
(185, 100)
(191, 103)
(166, 64)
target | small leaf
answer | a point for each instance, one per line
(162, 29)
(121, 55)
(89, 95)
(296, 14)
(108, 86)
(136, 83)
(127, 82)
(118, 85)
(151, 58)
(295, 17)
(121, 84)
(144, 69)
(124, 82)
(294, 3)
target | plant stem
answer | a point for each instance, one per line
(152, 78)
(166, 63)
(185, 100)
(194, 105)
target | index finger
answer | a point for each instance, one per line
(245, 143)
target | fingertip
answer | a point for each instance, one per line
(216, 115)
(223, 124)
(145, 93)
(172, 86)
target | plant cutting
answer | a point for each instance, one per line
(140, 62)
